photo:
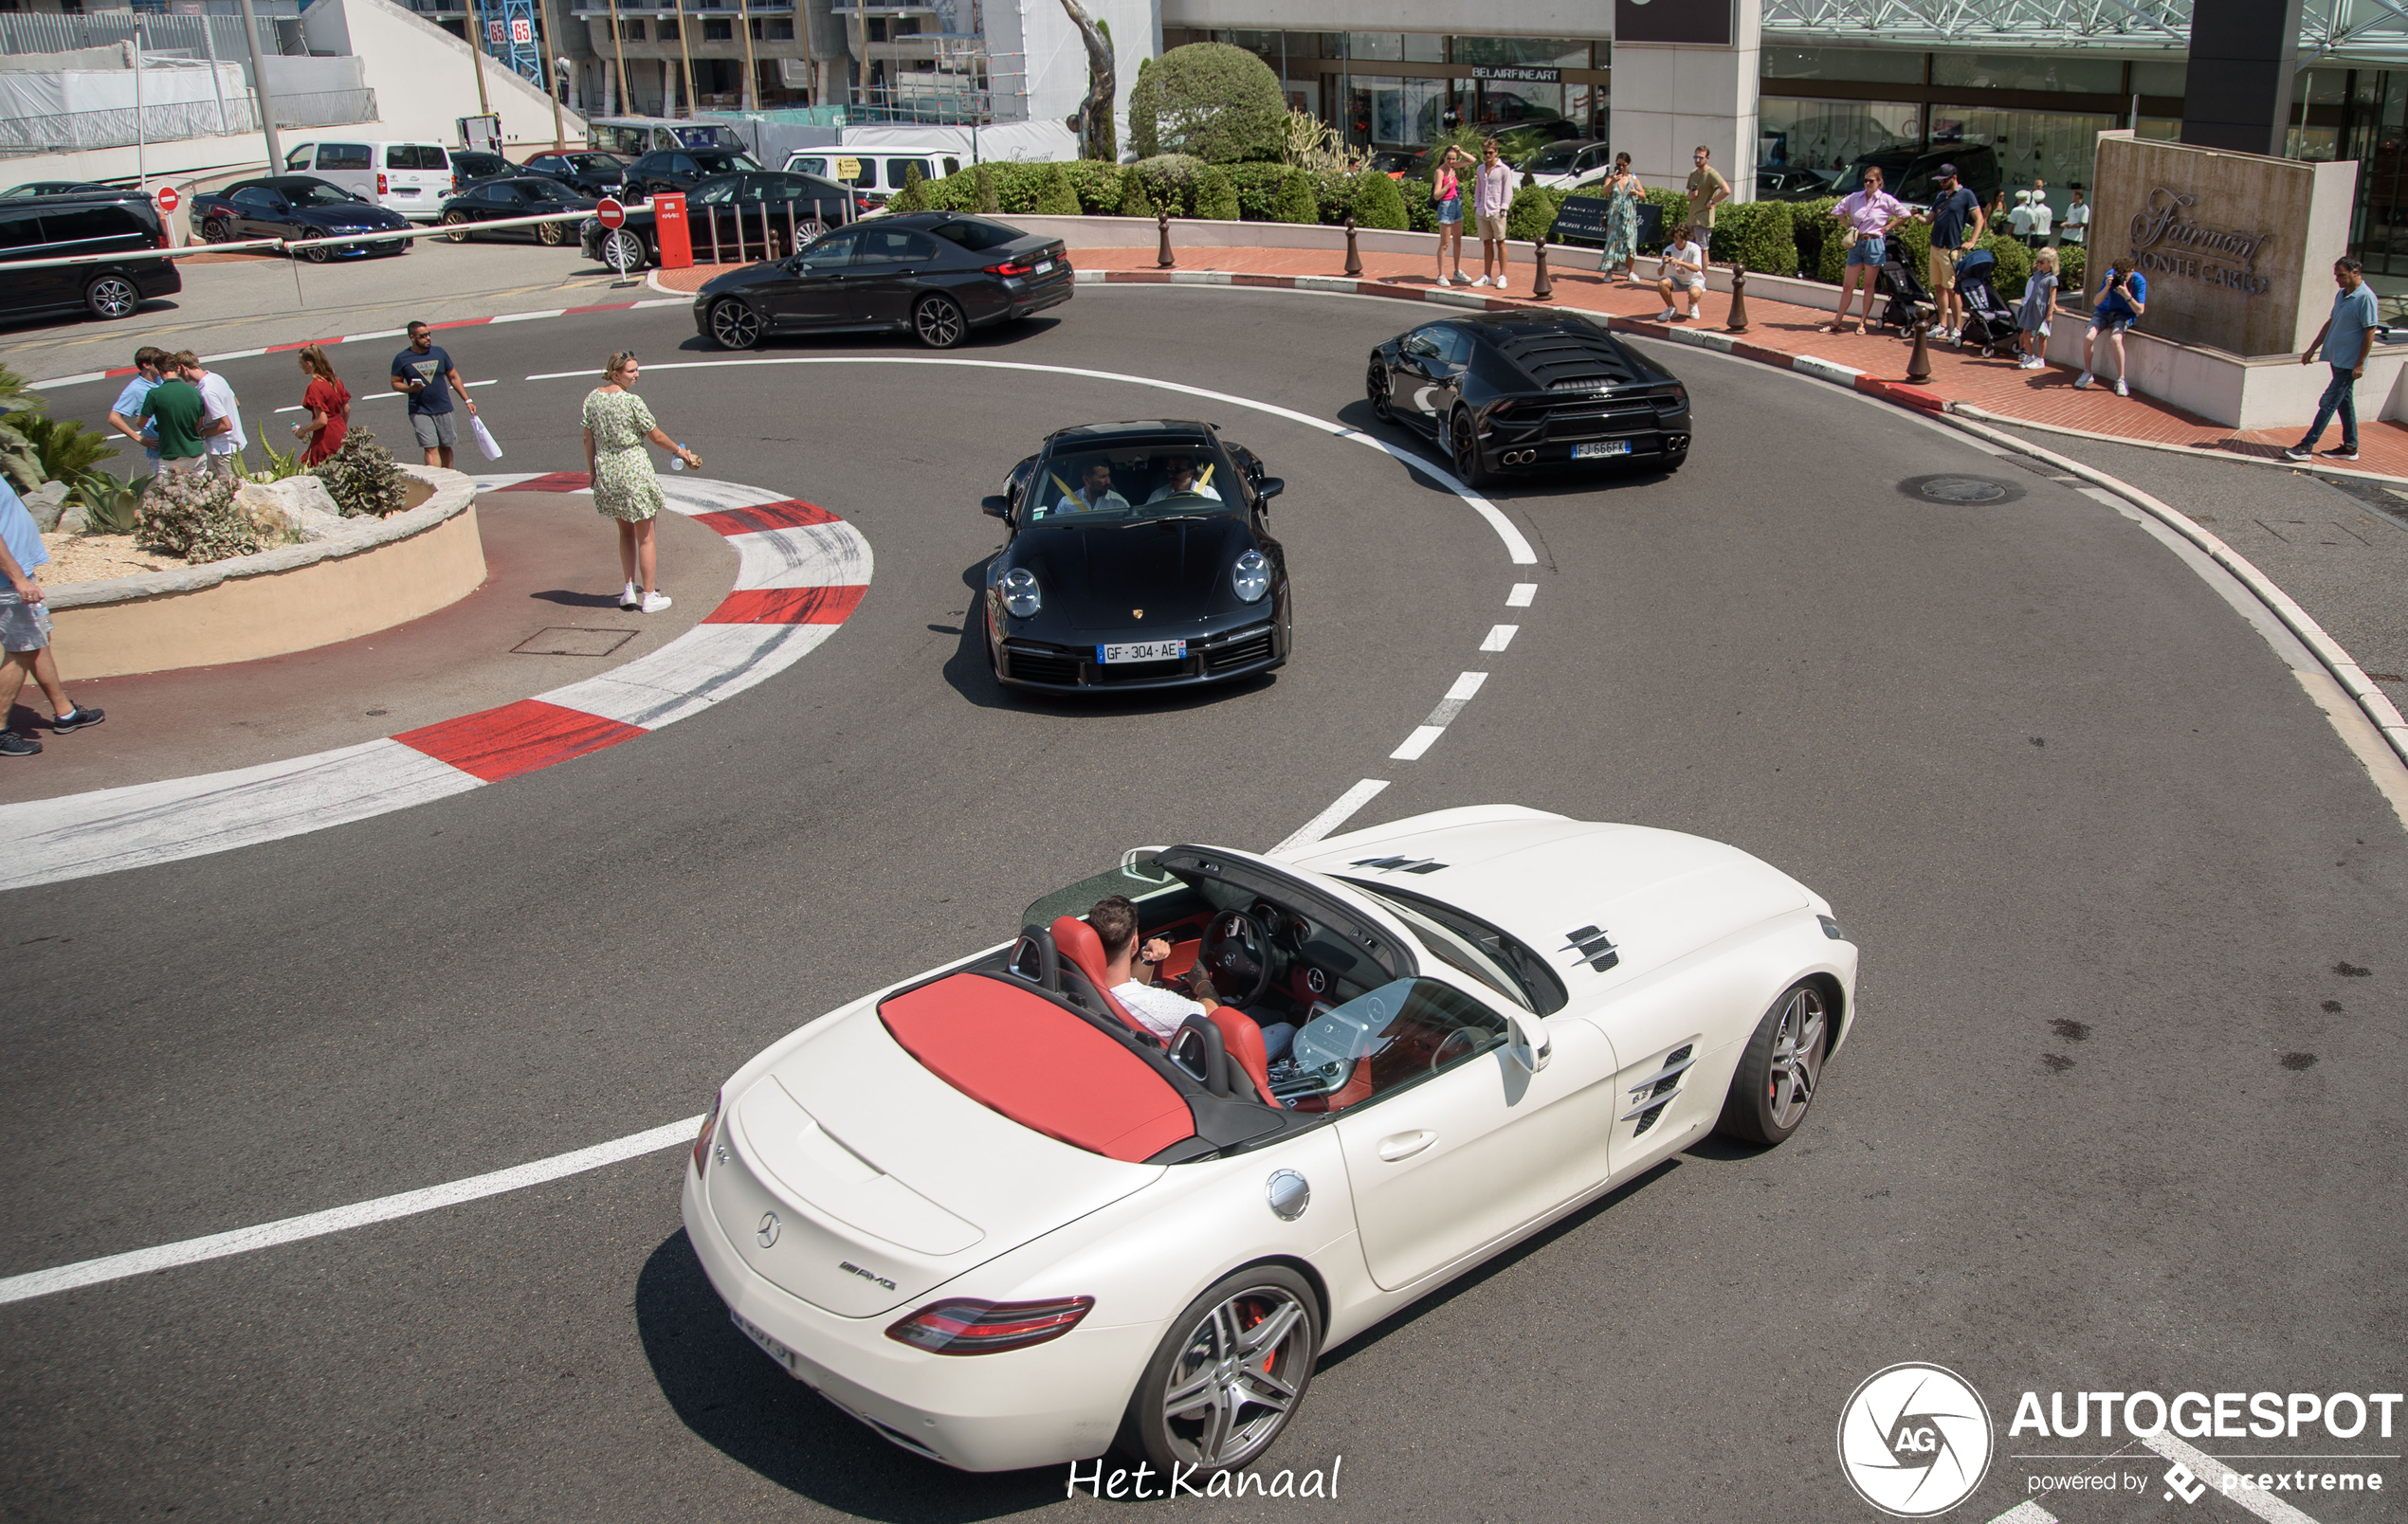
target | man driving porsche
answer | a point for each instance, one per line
(1128, 970)
(1094, 494)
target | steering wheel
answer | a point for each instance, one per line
(1458, 1044)
(1237, 955)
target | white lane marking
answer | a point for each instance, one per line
(342, 1219)
(1500, 636)
(2026, 1512)
(2223, 1478)
(1418, 742)
(1339, 811)
(1517, 547)
(528, 317)
(1522, 594)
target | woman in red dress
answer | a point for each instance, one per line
(328, 404)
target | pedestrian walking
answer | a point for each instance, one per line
(328, 403)
(1491, 199)
(1621, 251)
(1708, 189)
(219, 406)
(24, 631)
(175, 410)
(2077, 220)
(1869, 215)
(1446, 195)
(1953, 211)
(2040, 306)
(126, 414)
(2344, 339)
(425, 374)
(1682, 277)
(617, 424)
(2123, 297)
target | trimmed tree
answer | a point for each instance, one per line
(914, 194)
(1215, 197)
(1054, 196)
(983, 186)
(1295, 202)
(1134, 201)
(1377, 203)
(1218, 102)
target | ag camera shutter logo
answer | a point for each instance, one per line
(1915, 1440)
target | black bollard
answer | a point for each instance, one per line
(1542, 289)
(1918, 363)
(1354, 258)
(1163, 261)
(1739, 300)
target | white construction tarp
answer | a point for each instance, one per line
(1033, 143)
(94, 108)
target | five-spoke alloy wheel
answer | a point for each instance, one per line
(458, 222)
(735, 324)
(1229, 1374)
(1781, 1067)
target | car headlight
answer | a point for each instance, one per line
(1252, 576)
(1020, 592)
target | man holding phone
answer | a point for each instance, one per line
(2123, 297)
(425, 375)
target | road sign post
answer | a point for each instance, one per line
(612, 214)
(167, 200)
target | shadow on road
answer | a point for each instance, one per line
(998, 336)
(734, 1399)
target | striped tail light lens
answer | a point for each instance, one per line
(962, 1326)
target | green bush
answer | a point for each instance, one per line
(1421, 212)
(1532, 213)
(914, 194)
(20, 405)
(1376, 202)
(1170, 180)
(2014, 266)
(982, 191)
(1333, 196)
(1759, 235)
(1295, 202)
(1257, 187)
(190, 514)
(1215, 197)
(361, 476)
(1054, 196)
(1134, 201)
(1097, 185)
(1810, 226)
(1211, 99)
(1676, 209)
(2072, 265)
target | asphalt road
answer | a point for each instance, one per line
(2112, 1119)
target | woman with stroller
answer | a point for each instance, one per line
(1622, 250)
(1868, 215)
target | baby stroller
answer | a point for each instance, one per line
(1988, 321)
(1907, 293)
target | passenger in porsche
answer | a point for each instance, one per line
(1128, 968)
(1179, 480)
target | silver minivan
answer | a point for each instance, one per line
(411, 178)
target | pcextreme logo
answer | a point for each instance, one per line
(1915, 1440)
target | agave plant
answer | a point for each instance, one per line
(109, 507)
(19, 405)
(280, 464)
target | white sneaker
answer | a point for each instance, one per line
(627, 596)
(1501, 283)
(2121, 390)
(1462, 279)
(1666, 316)
(1483, 280)
(2082, 381)
(655, 602)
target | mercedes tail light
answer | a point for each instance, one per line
(703, 1138)
(962, 1326)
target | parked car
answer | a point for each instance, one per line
(633, 136)
(882, 168)
(51, 188)
(935, 273)
(724, 217)
(682, 168)
(595, 175)
(410, 179)
(66, 224)
(470, 165)
(298, 206)
(1791, 185)
(1908, 173)
(1570, 162)
(525, 195)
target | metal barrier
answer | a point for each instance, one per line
(338, 239)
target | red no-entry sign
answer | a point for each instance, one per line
(168, 199)
(608, 212)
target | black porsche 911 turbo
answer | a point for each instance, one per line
(1139, 557)
(1526, 390)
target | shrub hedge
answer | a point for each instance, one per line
(1211, 99)
(1295, 202)
(1376, 203)
(1215, 197)
(1054, 196)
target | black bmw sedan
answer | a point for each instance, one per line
(934, 274)
(1139, 556)
(1524, 390)
(295, 207)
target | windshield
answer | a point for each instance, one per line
(707, 137)
(1556, 158)
(722, 163)
(320, 195)
(1135, 482)
(1471, 944)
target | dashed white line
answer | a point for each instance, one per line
(1416, 743)
(1500, 636)
(1522, 594)
(2026, 1512)
(1339, 811)
(340, 1219)
(1430, 730)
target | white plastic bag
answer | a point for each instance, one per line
(486, 442)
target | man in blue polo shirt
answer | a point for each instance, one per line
(2343, 338)
(24, 631)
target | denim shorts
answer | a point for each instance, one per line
(1450, 210)
(1867, 250)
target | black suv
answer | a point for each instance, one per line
(677, 168)
(122, 225)
(1907, 173)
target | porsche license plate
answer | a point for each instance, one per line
(1602, 447)
(1044, 267)
(1142, 652)
(769, 1347)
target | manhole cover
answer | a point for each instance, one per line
(564, 642)
(1962, 489)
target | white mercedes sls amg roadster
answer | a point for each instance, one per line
(992, 1215)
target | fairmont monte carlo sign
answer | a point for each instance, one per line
(2166, 242)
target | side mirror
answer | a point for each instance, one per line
(995, 506)
(1269, 487)
(1527, 1043)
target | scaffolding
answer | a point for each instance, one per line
(2330, 31)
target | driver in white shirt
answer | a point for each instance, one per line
(1128, 970)
(1095, 492)
(1179, 480)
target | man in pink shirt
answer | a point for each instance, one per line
(1491, 198)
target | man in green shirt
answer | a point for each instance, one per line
(1707, 191)
(175, 410)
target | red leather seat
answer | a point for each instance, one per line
(1084, 951)
(1243, 1040)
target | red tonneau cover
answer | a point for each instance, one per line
(1015, 1052)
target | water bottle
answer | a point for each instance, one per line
(677, 459)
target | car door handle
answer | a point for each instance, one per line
(1405, 1145)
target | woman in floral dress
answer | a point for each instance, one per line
(617, 426)
(1621, 220)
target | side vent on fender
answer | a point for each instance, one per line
(1596, 948)
(1656, 1091)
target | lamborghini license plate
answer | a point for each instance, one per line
(1142, 652)
(1602, 447)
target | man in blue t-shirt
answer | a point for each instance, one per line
(1953, 208)
(427, 375)
(25, 630)
(2123, 297)
(126, 414)
(2344, 338)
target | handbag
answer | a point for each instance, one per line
(1848, 240)
(486, 442)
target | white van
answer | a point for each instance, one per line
(882, 168)
(411, 178)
